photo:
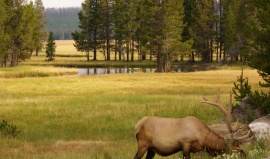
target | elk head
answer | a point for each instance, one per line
(233, 128)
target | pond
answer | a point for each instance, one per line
(100, 71)
(111, 70)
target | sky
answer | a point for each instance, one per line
(62, 3)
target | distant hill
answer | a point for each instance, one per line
(62, 21)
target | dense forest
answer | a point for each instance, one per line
(62, 22)
(169, 30)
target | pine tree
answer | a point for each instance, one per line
(50, 47)
(20, 27)
(260, 60)
(29, 23)
(106, 20)
(131, 27)
(189, 7)
(241, 89)
(147, 30)
(245, 22)
(202, 29)
(125, 25)
(40, 32)
(4, 38)
(86, 39)
(173, 28)
(18, 23)
(238, 35)
(231, 37)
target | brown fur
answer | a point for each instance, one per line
(166, 136)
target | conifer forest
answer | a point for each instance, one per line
(165, 30)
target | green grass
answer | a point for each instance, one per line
(94, 116)
(65, 116)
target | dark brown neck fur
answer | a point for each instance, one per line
(215, 144)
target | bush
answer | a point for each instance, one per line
(262, 101)
(8, 129)
(252, 105)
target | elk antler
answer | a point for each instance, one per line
(227, 113)
(245, 138)
(249, 136)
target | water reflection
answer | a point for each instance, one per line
(100, 71)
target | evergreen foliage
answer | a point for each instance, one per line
(260, 60)
(154, 26)
(261, 100)
(50, 47)
(189, 6)
(86, 39)
(163, 29)
(172, 43)
(261, 56)
(39, 33)
(241, 89)
(4, 37)
(20, 32)
(202, 29)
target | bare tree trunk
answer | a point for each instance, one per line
(127, 50)
(115, 50)
(37, 51)
(139, 51)
(192, 56)
(108, 50)
(95, 45)
(120, 49)
(132, 50)
(159, 60)
(166, 63)
(88, 55)
(108, 31)
(211, 49)
(13, 59)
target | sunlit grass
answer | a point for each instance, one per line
(94, 116)
(66, 47)
(37, 71)
(67, 55)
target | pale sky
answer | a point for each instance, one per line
(62, 3)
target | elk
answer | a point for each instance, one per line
(166, 136)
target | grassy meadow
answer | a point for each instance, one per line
(93, 117)
(67, 55)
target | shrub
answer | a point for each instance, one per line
(256, 105)
(8, 129)
(262, 101)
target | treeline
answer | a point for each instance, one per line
(148, 27)
(62, 22)
(211, 30)
(21, 30)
